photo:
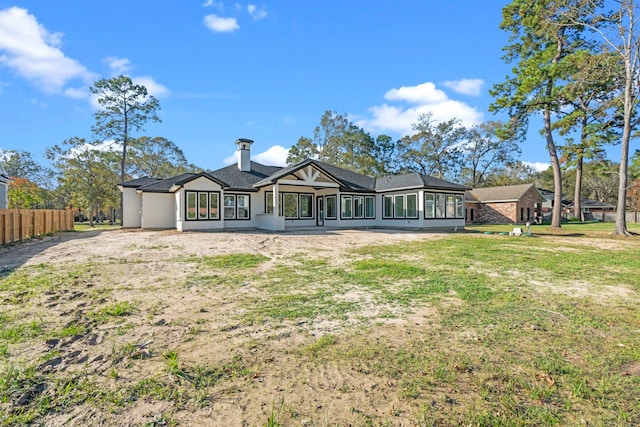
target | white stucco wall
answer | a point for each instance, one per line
(132, 201)
(158, 210)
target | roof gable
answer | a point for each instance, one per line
(505, 193)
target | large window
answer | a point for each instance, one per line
(201, 205)
(387, 211)
(398, 208)
(370, 207)
(237, 206)
(214, 206)
(290, 204)
(440, 205)
(229, 206)
(191, 205)
(347, 207)
(412, 206)
(358, 206)
(429, 205)
(243, 206)
(330, 207)
(459, 206)
(306, 206)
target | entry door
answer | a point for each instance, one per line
(320, 215)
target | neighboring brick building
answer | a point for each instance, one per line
(506, 204)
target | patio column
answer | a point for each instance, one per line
(276, 205)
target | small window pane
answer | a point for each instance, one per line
(214, 209)
(440, 205)
(306, 206)
(243, 206)
(459, 206)
(451, 207)
(269, 203)
(358, 207)
(346, 207)
(412, 207)
(330, 207)
(399, 206)
(370, 207)
(290, 205)
(191, 205)
(203, 206)
(429, 205)
(388, 207)
(229, 207)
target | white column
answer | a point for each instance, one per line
(276, 205)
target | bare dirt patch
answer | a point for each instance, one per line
(255, 370)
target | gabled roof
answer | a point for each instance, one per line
(236, 179)
(505, 193)
(415, 180)
(154, 185)
(348, 180)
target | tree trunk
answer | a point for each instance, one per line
(557, 173)
(577, 209)
(621, 208)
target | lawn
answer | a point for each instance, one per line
(360, 328)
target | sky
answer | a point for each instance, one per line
(266, 71)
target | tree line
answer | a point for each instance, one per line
(575, 64)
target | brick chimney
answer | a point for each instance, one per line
(244, 154)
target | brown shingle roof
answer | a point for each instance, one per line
(505, 193)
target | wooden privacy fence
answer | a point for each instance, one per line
(22, 224)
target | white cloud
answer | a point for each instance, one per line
(118, 65)
(465, 86)
(221, 25)
(256, 13)
(425, 93)
(34, 53)
(154, 88)
(538, 166)
(425, 98)
(274, 156)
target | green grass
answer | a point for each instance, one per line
(490, 330)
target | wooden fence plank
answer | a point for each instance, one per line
(22, 224)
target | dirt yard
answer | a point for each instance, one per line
(168, 325)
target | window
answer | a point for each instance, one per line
(412, 206)
(243, 206)
(440, 205)
(521, 214)
(387, 211)
(398, 206)
(268, 202)
(429, 205)
(358, 206)
(306, 206)
(370, 207)
(191, 205)
(230, 206)
(290, 202)
(459, 206)
(330, 207)
(214, 212)
(346, 207)
(451, 207)
(202, 205)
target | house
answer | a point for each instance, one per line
(504, 204)
(309, 193)
(4, 188)
(591, 210)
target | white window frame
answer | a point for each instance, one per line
(413, 214)
(387, 206)
(332, 205)
(358, 205)
(343, 205)
(310, 213)
(370, 201)
(397, 214)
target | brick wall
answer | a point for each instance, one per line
(505, 212)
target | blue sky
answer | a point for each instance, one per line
(261, 70)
